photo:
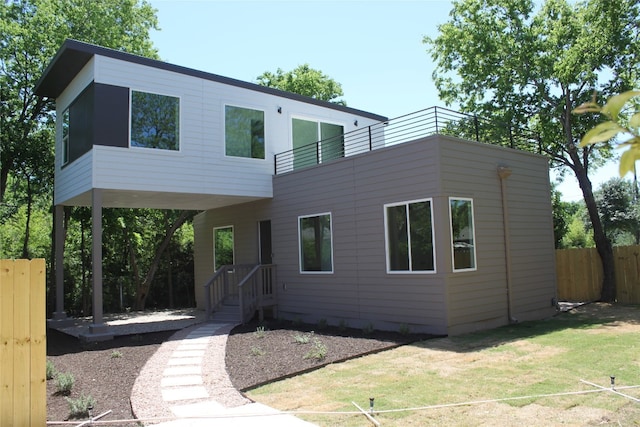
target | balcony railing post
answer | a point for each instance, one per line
(435, 113)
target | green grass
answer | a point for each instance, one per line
(527, 359)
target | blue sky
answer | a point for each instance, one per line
(373, 48)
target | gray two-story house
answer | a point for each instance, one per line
(312, 210)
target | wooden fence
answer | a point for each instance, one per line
(23, 386)
(579, 274)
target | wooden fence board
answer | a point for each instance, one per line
(579, 274)
(23, 392)
(6, 343)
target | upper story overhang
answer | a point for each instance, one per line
(224, 132)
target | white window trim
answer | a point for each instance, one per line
(386, 238)
(224, 132)
(180, 127)
(475, 254)
(213, 234)
(300, 244)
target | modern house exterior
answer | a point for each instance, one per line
(318, 208)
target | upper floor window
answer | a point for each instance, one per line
(409, 237)
(316, 247)
(65, 137)
(155, 121)
(462, 234)
(306, 133)
(244, 132)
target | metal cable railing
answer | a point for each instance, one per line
(431, 121)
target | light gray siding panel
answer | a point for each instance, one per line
(76, 178)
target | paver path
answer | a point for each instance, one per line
(186, 380)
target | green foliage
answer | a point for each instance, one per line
(116, 354)
(620, 211)
(322, 324)
(578, 235)
(623, 126)
(51, 370)
(404, 329)
(306, 81)
(303, 338)
(318, 352)
(81, 406)
(257, 351)
(368, 329)
(260, 332)
(64, 382)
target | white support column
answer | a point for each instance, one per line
(98, 330)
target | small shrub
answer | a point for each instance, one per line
(64, 383)
(343, 325)
(368, 329)
(322, 324)
(260, 332)
(115, 354)
(318, 352)
(303, 338)
(404, 329)
(51, 370)
(80, 407)
(257, 351)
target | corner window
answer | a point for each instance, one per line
(316, 248)
(462, 234)
(222, 247)
(409, 237)
(244, 132)
(155, 121)
(65, 137)
(330, 139)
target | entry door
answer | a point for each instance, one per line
(266, 251)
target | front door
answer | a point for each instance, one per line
(266, 251)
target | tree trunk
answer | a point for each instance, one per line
(25, 243)
(142, 289)
(603, 244)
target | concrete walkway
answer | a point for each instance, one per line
(186, 382)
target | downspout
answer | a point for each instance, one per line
(504, 172)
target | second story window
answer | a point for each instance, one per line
(155, 121)
(65, 137)
(306, 133)
(244, 132)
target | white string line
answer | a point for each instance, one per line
(612, 390)
(600, 389)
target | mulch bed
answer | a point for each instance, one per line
(108, 370)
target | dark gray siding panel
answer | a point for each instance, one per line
(111, 115)
(355, 190)
(81, 123)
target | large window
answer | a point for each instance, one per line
(155, 121)
(244, 132)
(222, 247)
(316, 250)
(409, 237)
(306, 133)
(462, 234)
(65, 137)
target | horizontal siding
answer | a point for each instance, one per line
(530, 233)
(74, 179)
(354, 190)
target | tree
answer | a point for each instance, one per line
(504, 60)
(619, 209)
(306, 81)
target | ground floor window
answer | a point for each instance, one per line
(222, 247)
(409, 237)
(462, 234)
(315, 243)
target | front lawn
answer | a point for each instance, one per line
(492, 378)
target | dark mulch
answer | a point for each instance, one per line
(255, 357)
(104, 370)
(108, 370)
